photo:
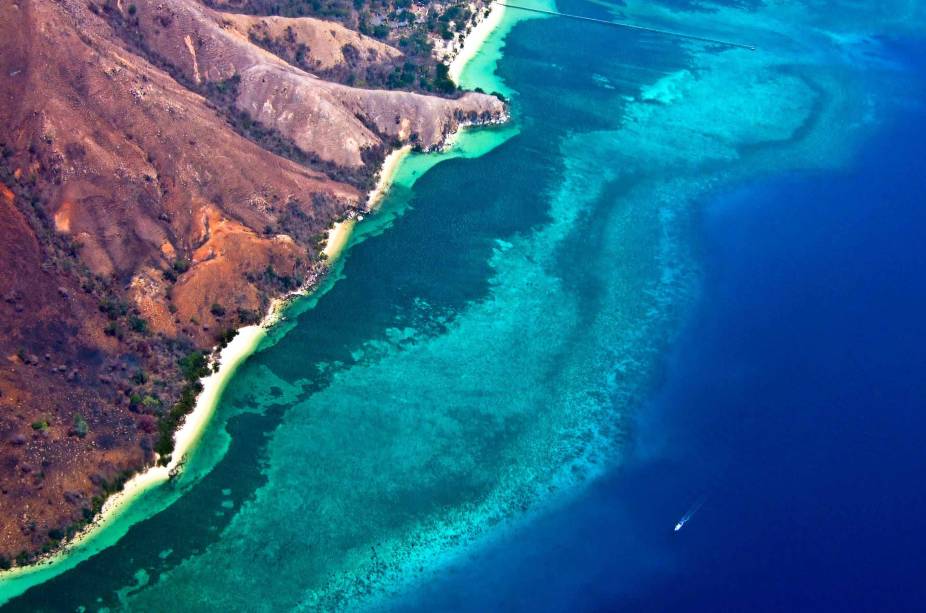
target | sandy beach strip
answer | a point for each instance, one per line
(386, 176)
(338, 236)
(339, 233)
(474, 40)
(230, 358)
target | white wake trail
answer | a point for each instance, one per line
(690, 513)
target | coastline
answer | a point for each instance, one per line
(338, 236)
(387, 175)
(247, 339)
(474, 41)
(83, 544)
(16, 580)
(394, 163)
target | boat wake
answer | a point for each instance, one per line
(690, 513)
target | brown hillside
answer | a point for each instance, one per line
(163, 177)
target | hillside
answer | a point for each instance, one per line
(167, 169)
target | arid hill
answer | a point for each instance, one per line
(166, 170)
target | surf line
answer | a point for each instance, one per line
(628, 26)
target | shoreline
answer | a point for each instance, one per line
(474, 41)
(339, 234)
(245, 342)
(229, 358)
(387, 175)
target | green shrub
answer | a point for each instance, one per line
(226, 337)
(169, 422)
(113, 308)
(138, 324)
(194, 366)
(113, 329)
(81, 427)
(247, 316)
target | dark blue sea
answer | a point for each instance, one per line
(793, 405)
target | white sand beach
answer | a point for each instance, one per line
(474, 41)
(386, 175)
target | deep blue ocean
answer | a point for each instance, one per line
(793, 405)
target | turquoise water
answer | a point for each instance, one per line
(477, 356)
